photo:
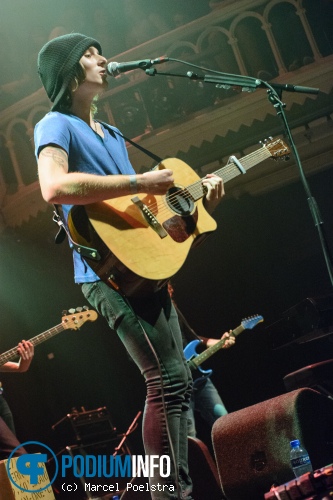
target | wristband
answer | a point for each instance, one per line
(133, 184)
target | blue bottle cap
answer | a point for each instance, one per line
(294, 443)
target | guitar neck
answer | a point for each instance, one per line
(230, 171)
(12, 353)
(207, 353)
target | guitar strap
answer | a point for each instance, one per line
(57, 218)
(92, 253)
(144, 150)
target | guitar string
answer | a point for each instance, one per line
(197, 188)
(228, 171)
(39, 339)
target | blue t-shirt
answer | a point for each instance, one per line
(87, 152)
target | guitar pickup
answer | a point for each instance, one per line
(150, 217)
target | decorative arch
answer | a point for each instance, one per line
(209, 31)
(296, 44)
(20, 151)
(254, 43)
(216, 44)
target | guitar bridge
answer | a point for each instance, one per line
(150, 217)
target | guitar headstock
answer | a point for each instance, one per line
(251, 322)
(277, 148)
(77, 317)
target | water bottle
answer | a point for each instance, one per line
(299, 459)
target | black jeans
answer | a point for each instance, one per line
(143, 324)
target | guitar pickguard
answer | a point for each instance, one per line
(180, 228)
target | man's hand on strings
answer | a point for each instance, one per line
(215, 191)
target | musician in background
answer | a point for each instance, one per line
(82, 161)
(205, 398)
(8, 440)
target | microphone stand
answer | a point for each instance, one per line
(127, 433)
(274, 92)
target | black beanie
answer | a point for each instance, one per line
(57, 60)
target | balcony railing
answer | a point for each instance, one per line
(260, 38)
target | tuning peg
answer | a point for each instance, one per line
(71, 311)
(79, 309)
(85, 308)
(64, 312)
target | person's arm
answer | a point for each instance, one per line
(25, 350)
(229, 340)
(63, 187)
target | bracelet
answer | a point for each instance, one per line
(133, 184)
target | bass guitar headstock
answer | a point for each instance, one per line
(73, 319)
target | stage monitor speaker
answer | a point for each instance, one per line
(252, 445)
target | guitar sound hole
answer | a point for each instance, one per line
(179, 201)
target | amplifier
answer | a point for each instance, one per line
(85, 427)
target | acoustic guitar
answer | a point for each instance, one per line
(151, 235)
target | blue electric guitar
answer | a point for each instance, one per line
(195, 360)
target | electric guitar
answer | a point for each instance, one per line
(195, 360)
(70, 322)
(151, 235)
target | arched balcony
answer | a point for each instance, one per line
(192, 120)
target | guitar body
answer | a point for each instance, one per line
(120, 231)
(148, 237)
(190, 353)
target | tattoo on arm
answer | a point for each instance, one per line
(58, 155)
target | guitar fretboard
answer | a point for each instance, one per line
(12, 353)
(230, 171)
(72, 321)
(198, 360)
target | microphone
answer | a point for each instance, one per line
(115, 68)
(292, 88)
